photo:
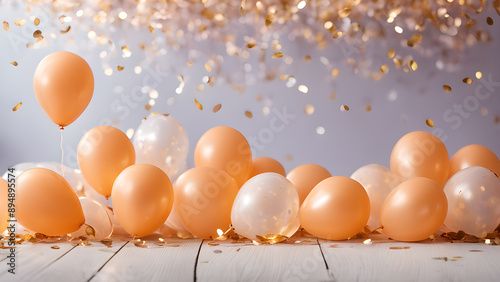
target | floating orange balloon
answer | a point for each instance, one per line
(226, 149)
(4, 212)
(414, 210)
(142, 199)
(474, 155)
(336, 209)
(63, 85)
(103, 153)
(265, 164)
(421, 154)
(203, 200)
(305, 177)
(46, 203)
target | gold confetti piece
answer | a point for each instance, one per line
(198, 105)
(345, 12)
(269, 20)
(484, 111)
(208, 68)
(151, 29)
(288, 157)
(189, 64)
(429, 122)
(217, 108)
(37, 34)
(413, 65)
(384, 68)
(496, 5)
(107, 242)
(333, 96)
(251, 45)
(302, 88)
(248, 114)
(344, 108)
(447, 88)
(126, 51)
(391, 53)
(19, 22)
(242, 11)
(141, 245)
(489, 21)
(277, 55)
(5, 26)
(55, 247)
(17, 106)
(307, 58)
(496, 119)
(66, 30)
(309, 109)
(368, 108)
(479, 75)
(39, 39)
(147, 107)
(283, 77)
(335, 72)
(36, 21)
(119, 68)
(467, 80)
(90, 230)
(14, 63)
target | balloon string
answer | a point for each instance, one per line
(63, 170)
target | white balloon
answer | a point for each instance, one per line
(162, 141)
(97, 216)
(473, 201)
(378, 182)
(267, 204)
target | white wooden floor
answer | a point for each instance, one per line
(297, 259)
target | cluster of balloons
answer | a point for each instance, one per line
(408, 202)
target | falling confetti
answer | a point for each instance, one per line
(36, 21)
(248, 114)
(368, 108)
(479, 75)
(384, 68)
(277, 55)
(489, 20)
(467, 80)
(17, 106)
(391, 53)
(198, 105)
(119, 68)
(55, 247)
(307, 58)
(207, 67)
(447, 88)
(14, 63)
(19, 22)
(429, 122)
(344, 108)
(5, 26)
(151, 29)
(413, 65)
(303, 89)
(217, 108)
(335, 72)
(37, 34)
(309, 109)
(66, 30)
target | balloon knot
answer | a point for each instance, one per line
(61, 127)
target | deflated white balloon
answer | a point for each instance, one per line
(162, 141)
(97, 216)
(473, 201)
(378, 182)
(267, 204)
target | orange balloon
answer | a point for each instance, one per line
(226, 149)
(421, 154)
(46, 203)
(474, 155)
(203, 200)
(4, 203)
(305, 177)
(142, 199)
(414, 210)
(336, 209)
(63, 84)
(265, 164)
(103, 153)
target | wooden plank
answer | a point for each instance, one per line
(387, 260)
(80, 264)
(175, 261)
(32, 259)
(245, 262)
